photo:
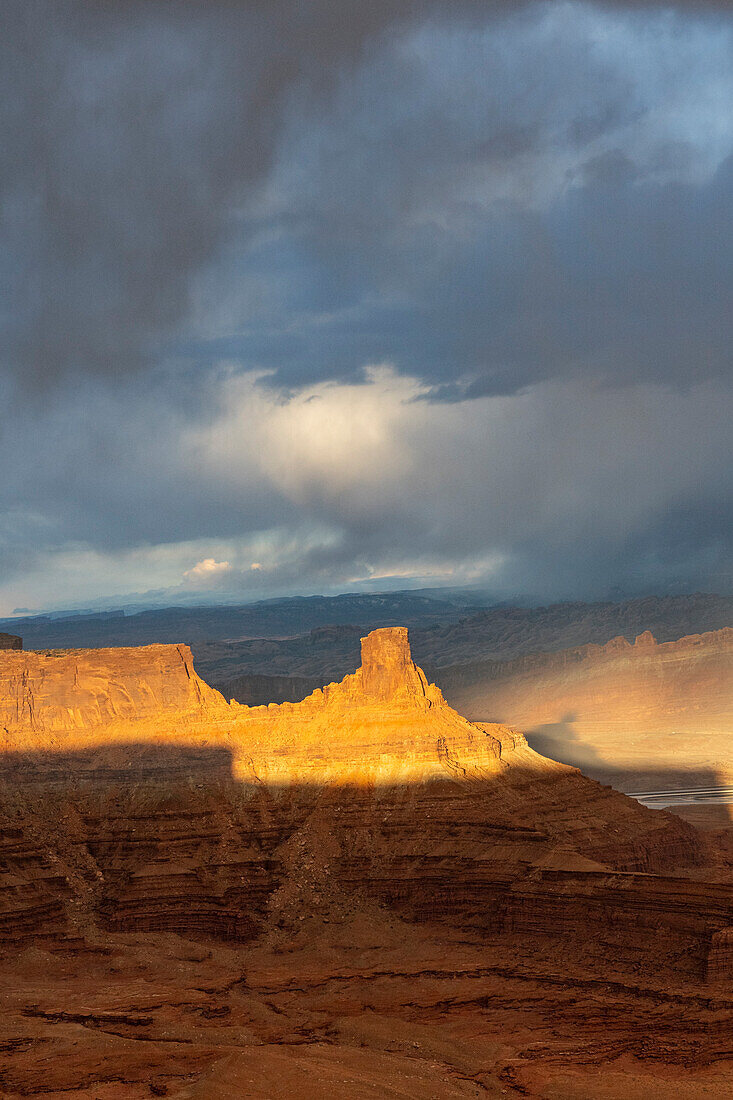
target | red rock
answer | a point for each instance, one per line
(64, 689)
(223, 884)
(663, 713)
(720, 957)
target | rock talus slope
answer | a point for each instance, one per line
(363, 890)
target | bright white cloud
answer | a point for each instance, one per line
(562, 464)
(204, 570)
(370, 480)
(328, 442)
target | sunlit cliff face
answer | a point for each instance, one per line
(145, 818)
(143, 716)
(619, 711)
(382, 724)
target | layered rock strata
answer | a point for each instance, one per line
(184, 809)
(641, 707)
(138, 807)
(58, 690)
(720, 958)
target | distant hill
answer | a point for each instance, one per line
(503, 632)
(281, 618)
(494, 634)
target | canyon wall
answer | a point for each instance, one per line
(81, 689)
(135, 797)
(626, 707)
(364, 886)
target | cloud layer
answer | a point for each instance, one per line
(356, 291)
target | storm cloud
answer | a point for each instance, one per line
(134, 134)
(326, 293)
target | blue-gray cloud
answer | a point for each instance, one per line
(483, 230)
(504, 202)
(138, 139)
(131, 131)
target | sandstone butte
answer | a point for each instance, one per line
(359, 895)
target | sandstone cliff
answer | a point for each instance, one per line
(368, 845)
(55, 690)
(377, 770)
(640, 708)
(10, 641)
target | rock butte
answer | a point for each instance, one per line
(362, 894)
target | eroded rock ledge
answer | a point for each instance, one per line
(136, 799)
(82, 689)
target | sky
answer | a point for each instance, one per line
(322, 297)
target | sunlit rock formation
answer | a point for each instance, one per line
(368, 845)
(378, 771)
(64, 689)
(636, 707)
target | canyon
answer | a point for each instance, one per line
(359, 894)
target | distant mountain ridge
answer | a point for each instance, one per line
(504, 632)
(296, 615)
(496, 634)
(447, 630)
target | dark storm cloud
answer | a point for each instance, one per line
(617, 280)
(485, 232)
(524, 208)
(129, 132)
(119, 166)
